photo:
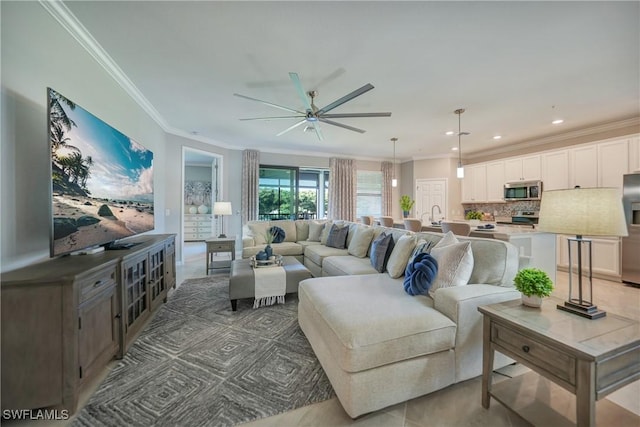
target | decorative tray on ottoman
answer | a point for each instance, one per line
(274, 261)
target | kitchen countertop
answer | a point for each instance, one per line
(502, 232)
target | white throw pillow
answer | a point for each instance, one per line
(359, 245)
(258, 230)
(315, 229)
(400, 255)
(455, 265)
(447, 239)
(325, 232)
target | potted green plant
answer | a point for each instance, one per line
(473, 217)
(534, 284)
(406, 203)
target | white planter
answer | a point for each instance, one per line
(532, 301)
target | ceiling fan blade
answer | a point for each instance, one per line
(292, 127)
(269, 103)
(346, 98)
(272, 118)
(347, 115)
(301, 93)
(331, 122)
(316, 127)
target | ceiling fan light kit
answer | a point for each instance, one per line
(312, 115)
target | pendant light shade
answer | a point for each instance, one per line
(394, 181)
(460, 169)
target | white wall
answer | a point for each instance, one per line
(38, 53)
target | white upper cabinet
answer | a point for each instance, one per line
(584, 166)
(522, 169)
(495, 182)
(634, 154)
(613, 162)
(474, 184)
(555, 174)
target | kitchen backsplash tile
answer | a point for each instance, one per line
(503, 209)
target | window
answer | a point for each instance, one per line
(369, 193)
(292, 193)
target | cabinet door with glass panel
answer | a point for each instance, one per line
(135, 280)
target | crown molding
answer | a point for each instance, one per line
(604, 127)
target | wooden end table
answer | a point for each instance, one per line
(219, 244)
(589, 358)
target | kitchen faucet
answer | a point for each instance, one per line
(433, 218)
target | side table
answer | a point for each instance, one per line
(219, 244)
(589, 358)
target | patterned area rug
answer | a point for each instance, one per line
(198, 363)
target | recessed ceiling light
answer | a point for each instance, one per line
(454, 148)
(557, 121)
(497, 137)
(449, 133)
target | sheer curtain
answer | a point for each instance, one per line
(250, 184)
(342, 189)
(387, 190)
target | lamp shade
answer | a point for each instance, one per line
(583, 212)
(222, 208)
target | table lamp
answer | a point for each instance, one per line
(222, 209)
(582, 212)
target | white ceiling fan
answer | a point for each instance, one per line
(312, 114)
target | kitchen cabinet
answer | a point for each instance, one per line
(495, 182)
(555, 174)
(606, 253)
(612, 162)
(634, 154)
(584, 166)
(474, 184)
(526, 168)
(63, 320)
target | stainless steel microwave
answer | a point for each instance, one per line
(523, 190)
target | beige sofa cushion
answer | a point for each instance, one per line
(370, 321)
(289, 227)
(346, 266)
(315, 230)
(258, 230)
(400, 255)
(316, 253)
(359, 245)
(302, 230)
(284, 248)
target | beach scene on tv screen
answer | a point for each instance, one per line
(102, 180)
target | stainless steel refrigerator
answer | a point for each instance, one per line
(631, 244)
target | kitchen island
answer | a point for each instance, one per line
(536, 249)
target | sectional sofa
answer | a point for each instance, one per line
(377, 344)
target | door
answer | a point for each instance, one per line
(431, 194)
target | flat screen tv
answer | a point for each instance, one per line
(101, 180)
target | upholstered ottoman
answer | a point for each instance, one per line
(242, 279)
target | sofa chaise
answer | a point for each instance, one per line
(379, 345)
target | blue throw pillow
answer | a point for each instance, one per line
(423, 246)
(380, 250)
(337, 237)
(278, 234)
(420, 274)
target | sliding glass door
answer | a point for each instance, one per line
(292, 193)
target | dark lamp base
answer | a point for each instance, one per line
(222, 236)
(588, 311)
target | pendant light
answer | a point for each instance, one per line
(394, 181)
(460, 169)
